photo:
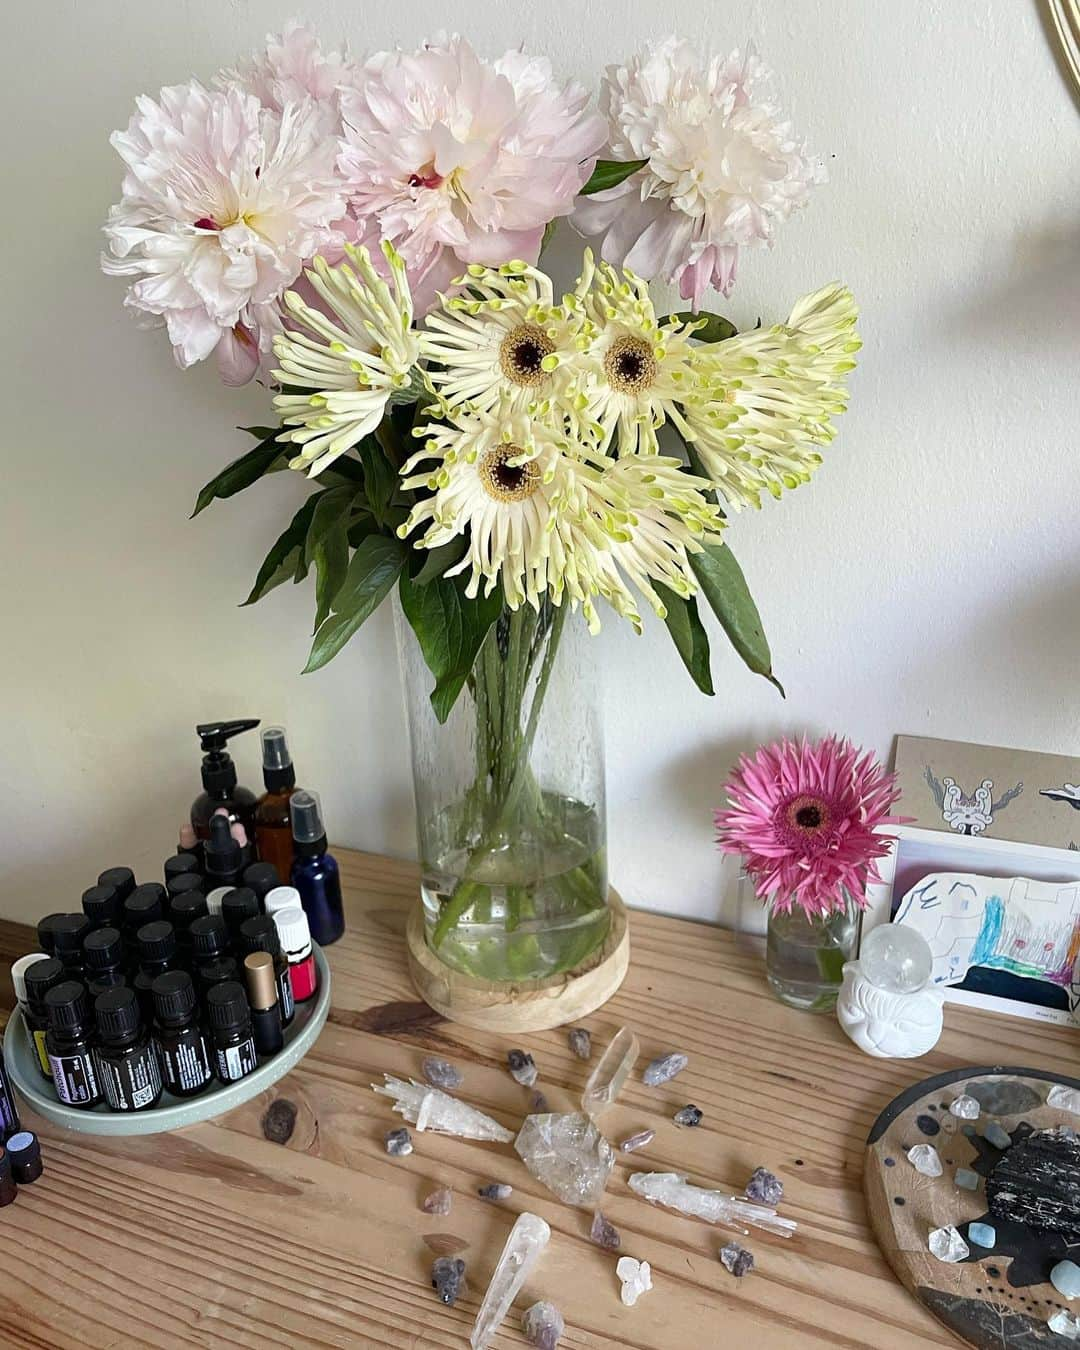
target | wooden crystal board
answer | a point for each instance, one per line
(999, 1299)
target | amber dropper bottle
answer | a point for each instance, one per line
(273, 823)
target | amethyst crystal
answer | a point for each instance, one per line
(737, 1259)
(688, 1115)
(580, 1042)
(398, 1143)
(495, 1190)
(665, 1068)
(764, 1188)
(522, 1068)
(441, 1073)
(604, 1233)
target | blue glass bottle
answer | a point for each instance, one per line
(314, 871)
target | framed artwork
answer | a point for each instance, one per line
(1002, 918)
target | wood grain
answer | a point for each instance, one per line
(219, 1235)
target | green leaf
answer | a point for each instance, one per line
(610, 173)
(724, 586)
(327, 547)
(450, 629)
(548, 235)
(435, 561)
(687, 632)
(241, 473)
(715, 329)
(287, 559)
(260, 433)
(370, 574)
(380, 478)
(332, 509)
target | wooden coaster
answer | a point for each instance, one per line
(532, 1005)
(1000, 1296)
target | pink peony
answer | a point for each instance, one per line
(460, 160)
(292, 67)
(805, 819)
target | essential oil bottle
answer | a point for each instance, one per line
(103, 907)
(181, 865)
(223, 855)
(121, 879)
(295, 937)
(219, 779)
(185, 1056)
(69, 1044)
(145, 904)
(282, 897)
(262, 877)
(68, 931)
(182, 884)
(45, 938)
(103, 952)
(9, 1112)
(230, 1021)
(40, 978)
(24, 1150)
(273, 823)
(127, 1061)
(314, 872)
(221, 970)
(260, 935)
(184, 910)
(239, 905)
(157, 949)
(8, 1189)
(262, 991)
(18, 976)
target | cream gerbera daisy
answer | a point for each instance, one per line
(637, 370)
(355, 362)
(506, 340)
(771, 393)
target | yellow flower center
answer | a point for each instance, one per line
(522, 352)
(630, 365)
(506, 482)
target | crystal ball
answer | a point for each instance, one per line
(896, 958)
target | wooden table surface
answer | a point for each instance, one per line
(217, 1235)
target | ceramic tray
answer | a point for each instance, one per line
(171, 1112)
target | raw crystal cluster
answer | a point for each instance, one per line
(566, 1153)
(543, 1325)
(604, 1233)
(764, 1188)
(673, 1191)
(448, 1278)
(1065, 1324)
(947, 1245)
(926, 1159)
(613, 1069)
(398, 1143)
(965, 1108)
(1064, 1098)
(431, 1109)
(737, 1259)
(663, 1069)
(636, 1277)
(688, 1116)
(438, 1202)
(441, 1073)
(522, 1067)
(528, 1238)
(580, 1043)
(495, 1190)
(640, 1140)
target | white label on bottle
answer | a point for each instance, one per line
(130, 1084)
(237, 1061)
(74, 1077)
(285, 996)
(188, 1065)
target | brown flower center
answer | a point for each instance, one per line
(522, 352)
(630, 365)
(508, 482)
(810, 815)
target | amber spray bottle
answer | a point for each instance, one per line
(273, 822)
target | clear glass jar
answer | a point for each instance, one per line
(510, 800)
(804, 957)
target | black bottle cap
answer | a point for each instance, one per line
(68, 931)
(40, 978)
(174, 997)
(121, 879)
(180, 865)
(238, 905)
(145, 904)
(227, 1006)
(260, 935)
(218, 971)
(102, 904)
(278, 771)
(209, 937)
(157, 942)
(103, 948)
(23, 1149)
(181, 885)
(45, 938)
(117, 1013)
(262, 877)
(66, 1006)
(218, 770)
(186, 908)
(221, 851)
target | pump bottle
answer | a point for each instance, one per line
(219, 779)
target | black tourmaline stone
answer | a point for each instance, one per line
(448, 1278)
(1037, 1183)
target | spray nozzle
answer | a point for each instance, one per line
(218, 770)
(307, 821)
(278, 771)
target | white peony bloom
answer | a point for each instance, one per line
(222, 202)
(724, 167)
(293, 66)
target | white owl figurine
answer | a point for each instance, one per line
(887, 1024)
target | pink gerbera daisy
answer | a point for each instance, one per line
(806, 819)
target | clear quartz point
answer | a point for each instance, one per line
(947, 1245)
(614, 1068)
(430, 1109)
(673, 1191)
(527, 1240)
(965, 1108)
(1064, 1098)
(926, 1159)
(567, 1154)
(1065, 1323)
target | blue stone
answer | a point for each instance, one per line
(1065, 1277)
(997, 1135)
(984, 1235)
(966, 1179)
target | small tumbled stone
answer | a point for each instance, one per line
(636, 1277)
(664, 1068)
(543, 1325)
(398, 1143)
(640, 1140)
(997, 1135)
(448, 1278)
(445, 1244)
(737, 1259)
(764, 1188)
(521, 1066)
(438, 1202)
(925, 1159)
(688, 1116)
(965, 1108)
(966, 1179)
(1065, 1323)
(947, 1245)
(1064, 1098)
(580, 1043)
(495, 1190)
(441, 1073)
(1065, 1277)
(540, 1104)
(604, 1233)
(982, 1234)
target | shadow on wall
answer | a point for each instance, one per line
(1038, 293)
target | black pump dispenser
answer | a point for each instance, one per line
(219, 778)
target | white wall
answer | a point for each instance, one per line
(925, 582)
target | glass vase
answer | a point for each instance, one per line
(804, 957)
(510, 800)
